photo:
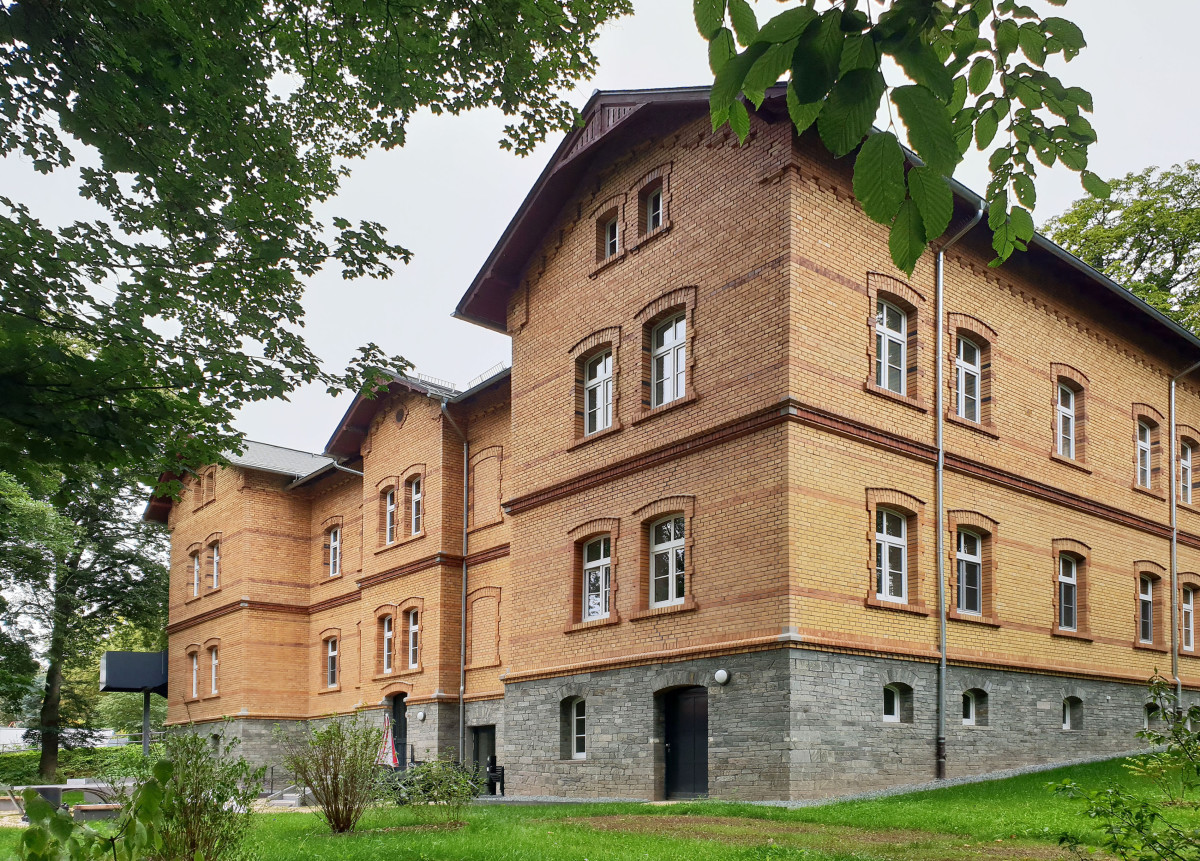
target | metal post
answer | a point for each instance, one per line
(145, 723)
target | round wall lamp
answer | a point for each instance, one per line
(421, 716)
(721, 677)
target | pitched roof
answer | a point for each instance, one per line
(265, 457)
(620, 118)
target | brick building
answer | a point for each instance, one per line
(694, 533)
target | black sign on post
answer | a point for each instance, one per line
(135, 672)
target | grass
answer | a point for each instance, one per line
(1005, 820)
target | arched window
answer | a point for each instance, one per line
(414, 639)
(968, 708)
(214, 558)
(389, 515)
(1072, 713)
(416, 502)
(195, 660)
(975, 707)
(597, 576)
(335, 551)
(897, 703)
(668, 360)
(1068, 592)
(891, 347)
(598, 392)
(1145, 450)
(667, 569)
(389, 642)
(969, 378)
(1187, 618)
(1145, 609)
(196, 574)
(212, 655)
(1185, 472)
(970, 573)
(331, 662)
(891, 555)
(1066, 420)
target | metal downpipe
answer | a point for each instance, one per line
(939, 421)
(462, 639)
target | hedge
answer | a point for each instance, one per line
(17, 769)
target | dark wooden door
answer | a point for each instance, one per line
(686, 736)
(400, 729)
(484, 740)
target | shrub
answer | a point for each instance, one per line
(18, 769)
(120, 774)
(440, 788)
(337, 764)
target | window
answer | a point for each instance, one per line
(1186, 623)
(335, 551)
(196, 574)
(213, 671)
(668, 362)
(1185, 473)
(1143, 454)
(1072, 713)
(891, 344)
(598, 393)
(1068, 592)
(389, 516)
(389, 642)
(891, 556)
(610, 238)
(975, 707)
(579, 729)
(969, 375)
(654, 209)
(1151, 713)
(1145, 610)
(331, 662)
(1066, 420)
(970, 573)
(897, 703)
(414, 641)
(195, 675)
(216, 564)
(667, 579)
(415, 506)
(597, 572)
(968, 708)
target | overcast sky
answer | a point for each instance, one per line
(448, 194)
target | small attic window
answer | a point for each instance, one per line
(650, 205)
(608, 236)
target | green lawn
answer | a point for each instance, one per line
(1005, 820)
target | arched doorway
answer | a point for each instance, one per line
(400, 728)
(685, 734)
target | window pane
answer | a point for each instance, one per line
(678, 522)
(661, 586)
(662, 532)
(1066, 398)
(970, 354)
(893, 319)
(894, 383)
(894, 524)
(889, 701)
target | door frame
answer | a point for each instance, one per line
(662, 701)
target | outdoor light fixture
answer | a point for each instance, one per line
(721, 677)
(420, 715)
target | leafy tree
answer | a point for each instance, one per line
(208, 133)
(18, 669)
(73, 563)
(1146, 237)
(973, 68)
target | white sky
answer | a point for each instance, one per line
(448, 194)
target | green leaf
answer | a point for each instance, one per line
(985, 128)
(1033, 42)
(710, 16)
(1065, 31)
(980, 75)
(767, 71)
(162, 771)
(960, 95)
(817, 56)
(728, 82)
(998, 210)
(934, 199)
(743, 20)
(879, 177)
(786, 25)
(720, 49)
(858, 52)
(929, 129)
(907, 238)
(1026, 191)
(1022, 223)
(803, 114)
(739, 120)
(1007, 37)
(1095, 186)
(922, 65)
(850, 110)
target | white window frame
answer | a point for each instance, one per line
(1065, 409)
(389, 636)
(196, 574)
(598, 393)
(894, 715)
(213, 670)
(1145, 609)
(965, 560)
(414, 639)
(195, 675)
(1187, 623)
(668, 360)
(579, 729)
(654, 210)
(969, 406)
(216, 564)
(335, 551)
(675, 552)
(1068, 581)
(601, 568)
(612, 238)
(885, 336)
(389, 517)
(970, 707)
(416, 505)
(1144, 435)
(1067, 723)
(883, 544)
(331, 662)
(1185, 473)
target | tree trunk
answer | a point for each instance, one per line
(49, 719)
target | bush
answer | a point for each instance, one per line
(211, 794)
(119, 775)
(19, 769)
(337, 764)
(440, 788)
